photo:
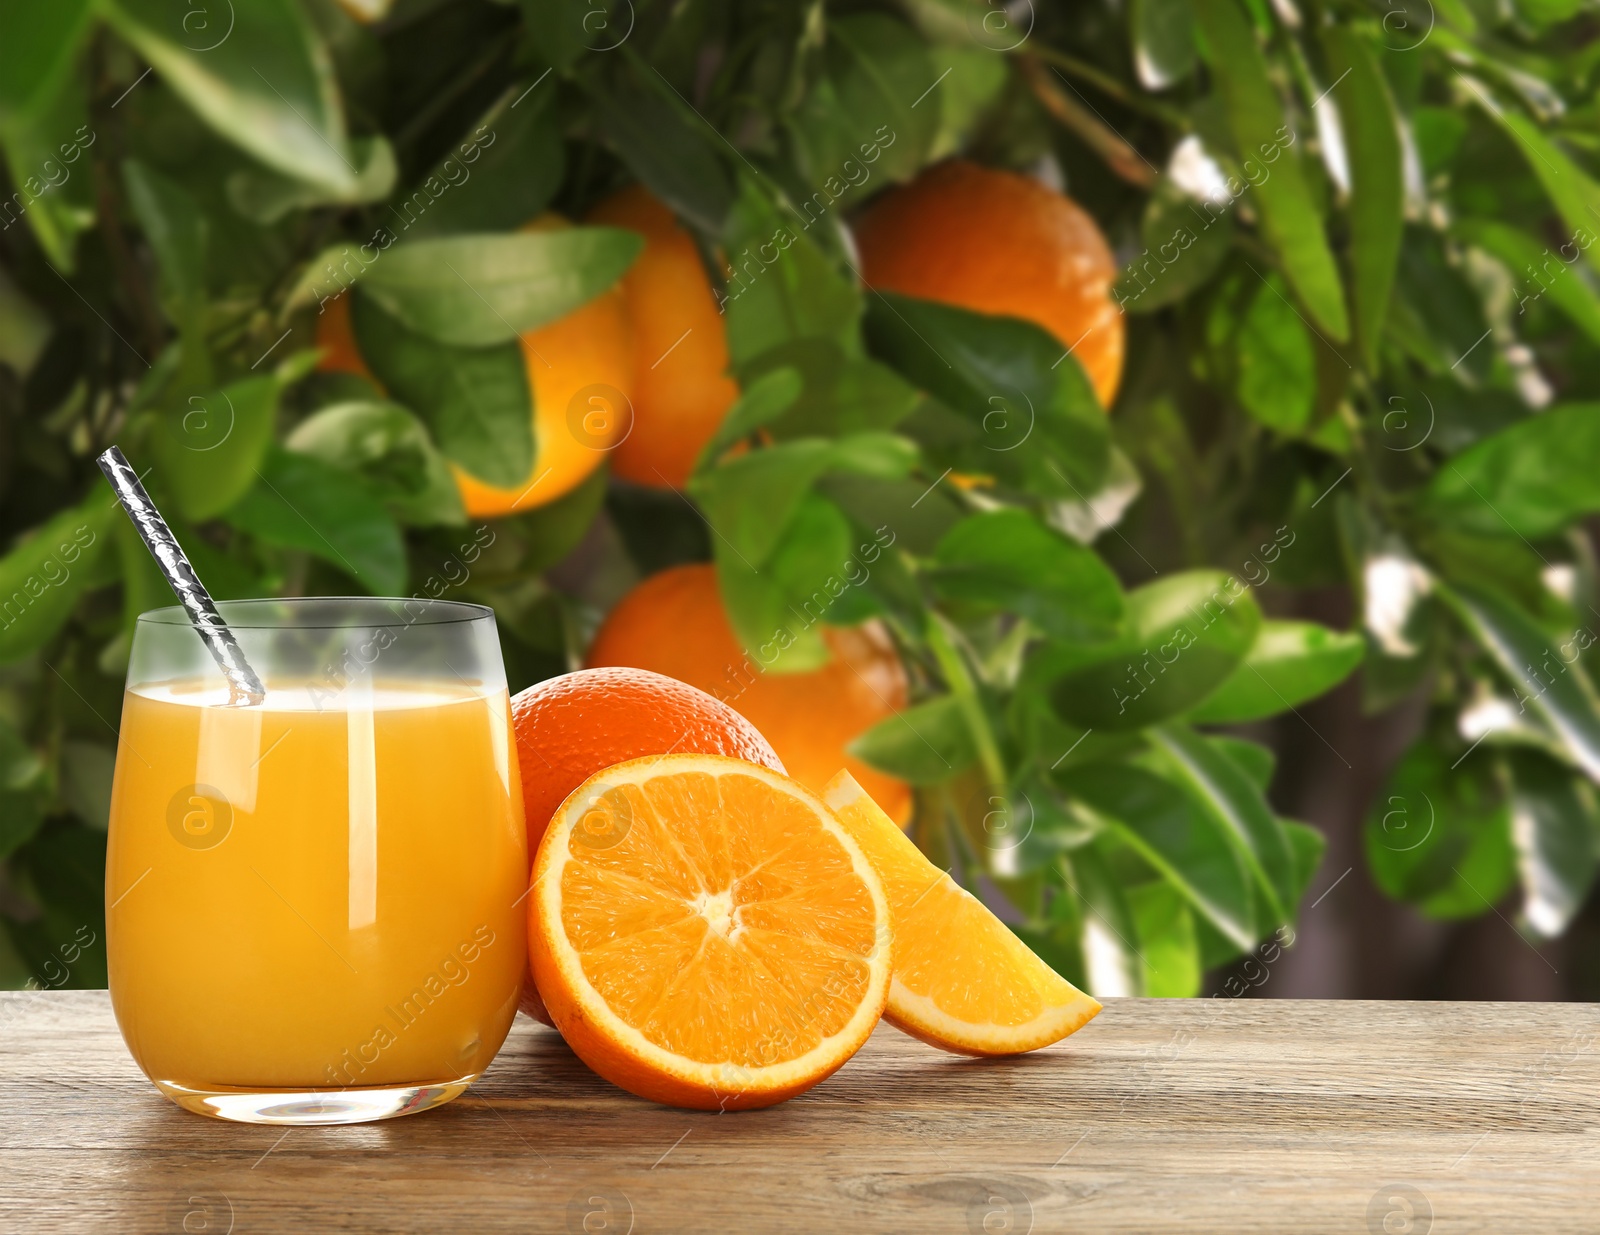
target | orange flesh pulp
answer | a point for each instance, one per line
(962, 980)
(749, 936)
(709, 919)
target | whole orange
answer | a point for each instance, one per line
(996, 242)
(572, 726)
(589, 352)
(681, 384)
(674, 623)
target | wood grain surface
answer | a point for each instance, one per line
(1161, 1115)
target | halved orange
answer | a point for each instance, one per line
(705, 933)
(962, 980)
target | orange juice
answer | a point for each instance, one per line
(316, 893)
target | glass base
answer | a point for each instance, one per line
(303, 1107)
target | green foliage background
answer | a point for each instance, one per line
(1363, 324)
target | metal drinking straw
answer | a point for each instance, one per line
(244, 687)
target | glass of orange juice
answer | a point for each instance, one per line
(314, 904)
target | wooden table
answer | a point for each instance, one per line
(1203, 1115)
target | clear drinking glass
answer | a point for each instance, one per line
(314, 905)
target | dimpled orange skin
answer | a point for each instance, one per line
(591, 346)
(674, 623)
(572, 726)
(681, 385)
(996, 242)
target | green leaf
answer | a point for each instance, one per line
(882, 456)
(1277, 372)
(87, 769)
(1012, 404)
(1006, 560)
(918, 516)
(177, 231)
(37, 46)
(1370, 124)
(50, 177)
(1186, 844)
(548, 533)
(1110, 955)
(479, 290)
(303, 503)
(24, 328)
(513, 161)
(1224, 789)
(1452, 416)
(1255, 760)
(1307, 846)
(1216, 949)
(65, 867)
(42, 577)
(207, 453)
(264, 196)
(760, 402)
(1540, 672)
(1289, 663)
(1185, 634)
(558, 33)
(922, 745)
(840, 392)
(477, 402)
(1537, 272)
(1436, 315)
(1438, 132)
(1167, 943)
(860, 120)
(390, 448)
(1183, 247)
(1570, 189)
(1504, 565)
(750, 500)
(1163, 41)
(672, 151)
(967, 96)
(1555, 828)
(260, 76)
(780, 285)
(1260, 131)
(778, 610)
(1545, 13)
(1440, 837)
(1529, 480)
(21, 784)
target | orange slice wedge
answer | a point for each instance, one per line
(705, 933)
(962, 980)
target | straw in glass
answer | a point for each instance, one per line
(244, 687)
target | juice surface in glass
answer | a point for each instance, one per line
(322, 892)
